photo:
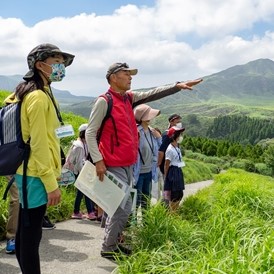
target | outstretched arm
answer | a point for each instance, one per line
(188, 84)
(160, 92)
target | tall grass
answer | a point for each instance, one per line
(226, 228)
(196, 171)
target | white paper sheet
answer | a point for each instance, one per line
(107, 194)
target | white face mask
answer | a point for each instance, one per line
(179, 125)
(180, 139)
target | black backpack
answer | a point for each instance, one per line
(13, 150)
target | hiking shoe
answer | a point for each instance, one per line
(111, 255)
(78, 215)
(47, 224)
(99, 219)
(116, 254)
(124, 250)
(10, 248)
(91, 216)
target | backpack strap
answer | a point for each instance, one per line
(63, 156)
(11, 181)
(140, 153)
(24, 186)
(141, 157)
(108, 97)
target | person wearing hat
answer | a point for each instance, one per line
(173, 175)
(173, 120)
(117, 149)
(40, 117)
(145, 169)
(77, 155)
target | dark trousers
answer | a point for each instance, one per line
(78, 199)
(28, 239)
(143, 187)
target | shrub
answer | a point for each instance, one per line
(263, 169)
(196, 171)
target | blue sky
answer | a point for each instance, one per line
(31, 11)
(167, 40)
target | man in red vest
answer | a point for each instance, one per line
(117, 149)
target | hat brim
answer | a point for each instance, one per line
(180, 130)
(68, 59)
(29, 75)
(67, 56)
(151, 114)
(132, 71)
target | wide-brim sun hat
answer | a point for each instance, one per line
(42, 52)
(118, 67)
(145, 113)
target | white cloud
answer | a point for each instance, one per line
(172, 41)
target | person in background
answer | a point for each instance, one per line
(157, 190)
(40, 118)
(173, 120)
(117, 149)
(145, 169)
(75, 161)
(173, 175)
(12, 221)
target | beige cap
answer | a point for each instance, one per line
(145, 113)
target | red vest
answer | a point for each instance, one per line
(121, 149)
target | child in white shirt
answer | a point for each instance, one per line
(173, 175)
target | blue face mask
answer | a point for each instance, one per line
(58, 72)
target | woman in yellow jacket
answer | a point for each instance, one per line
(40, 118)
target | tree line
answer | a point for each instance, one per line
(242, 129)
(222, 148)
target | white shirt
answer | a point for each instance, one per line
(174, 155)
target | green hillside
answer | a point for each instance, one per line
(243, 89)
(240, 90)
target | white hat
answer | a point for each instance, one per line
(83, 127)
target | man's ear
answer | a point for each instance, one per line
(112, 77)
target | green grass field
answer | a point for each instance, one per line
(225, 228)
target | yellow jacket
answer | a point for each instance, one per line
(39, 121)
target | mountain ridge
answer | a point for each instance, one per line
(64, 97)
(249, 85)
